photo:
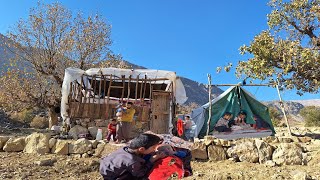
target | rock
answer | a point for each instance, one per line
(46, 162)
(269, 139)
(37, 143)
(61, 147)
(305, 159)
(14, 144)
(216, 153)
(222, 142)
(264, 150)
(287, 154)
(93, 131)
(80, 146)
(52, 142)
(199, 151)
(299, 175)
(3, 140)
(94, 164)
(245, 150)
(76, 130)
(85, 155)
(270, 163)
(284, 139)
(305, 139)
(94, 143)
(77, 156)
(208, 140)
(99, 149)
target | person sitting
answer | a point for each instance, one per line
(223, 124)
(128, 163)
(260, 124)
(240, 120)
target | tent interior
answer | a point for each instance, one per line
(233, 100)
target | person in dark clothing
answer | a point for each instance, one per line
(127, 163)
(223, 123)
(260, 124)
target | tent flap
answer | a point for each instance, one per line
(232, 100)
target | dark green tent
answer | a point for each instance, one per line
(232, 100)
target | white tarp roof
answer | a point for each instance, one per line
(72, 74)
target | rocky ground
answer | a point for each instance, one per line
(19, 165)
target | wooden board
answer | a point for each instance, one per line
(160, 112)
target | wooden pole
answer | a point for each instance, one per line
(283, 110)
(210, 108)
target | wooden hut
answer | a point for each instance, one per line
(94, 94)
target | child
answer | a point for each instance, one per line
(241, 118)
(260, 124)
(223, 124)
(120, 110)
(128, 162)
(188, 133)
(112, 130)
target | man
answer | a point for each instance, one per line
(125, 123)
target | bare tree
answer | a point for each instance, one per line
(46, 43)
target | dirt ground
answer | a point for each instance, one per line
(26, 166)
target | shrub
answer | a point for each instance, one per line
(311, 115)
(24, 116)
(39, 122)
(275, 116)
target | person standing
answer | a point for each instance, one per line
(112, 130)
(125, 123)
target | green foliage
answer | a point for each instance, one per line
(289, 49)
(275, 116)
(311, 115)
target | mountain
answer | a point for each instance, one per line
(196, 92)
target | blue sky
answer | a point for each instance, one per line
(190, 37)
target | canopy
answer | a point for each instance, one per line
(232, 100)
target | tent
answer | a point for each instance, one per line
(232, 100)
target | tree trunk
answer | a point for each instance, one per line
(53, 117)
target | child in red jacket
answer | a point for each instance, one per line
(112, 130)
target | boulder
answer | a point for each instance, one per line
(208, 140)
(61, 147)
(94, 143)
(52, 142)
(99, 149)
(80, 146)
(270, 163)
(305, 139)
(216, 153)
(85, 155)
(264, 150)
(14, 144)
(76, 130)
(3, 140)
(93, 131)
(284, 139)
(46, 162)
(37, 143)
(199, 151)
(288, 154)
(245, 150)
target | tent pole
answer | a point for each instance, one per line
(210, 110)
(283, 110)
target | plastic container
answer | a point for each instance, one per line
(99, 135)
